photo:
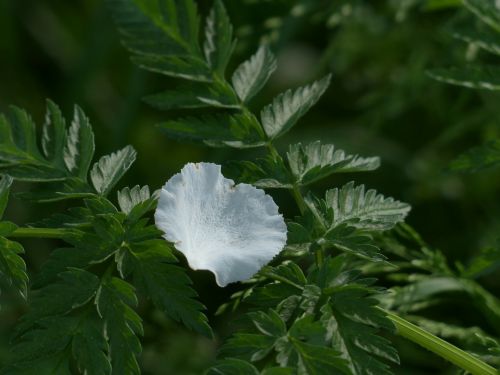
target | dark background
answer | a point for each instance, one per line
(381, 102)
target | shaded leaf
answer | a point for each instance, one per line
(474, 77)
(79, 149)
(232, 366)
(12, 266)
(195, 95)
(478, 158)
(219, 43)
(239, 131)
(168, 286)
(487, 11)
(114, 300)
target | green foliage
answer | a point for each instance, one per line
(313, 311)
(315, 161)
(286, 109)
(325, 323)
(251, 76)
(12, 265)
(110, 168)
(63, 164)
(478, 158)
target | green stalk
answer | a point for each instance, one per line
(40, 233)
(440, 347)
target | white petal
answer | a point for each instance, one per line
(230, 230)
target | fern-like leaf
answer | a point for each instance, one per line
(249, 78)
(110, 168)
(285, 110)
(315, 161)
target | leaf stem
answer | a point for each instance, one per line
(40, 233)
(440, 347)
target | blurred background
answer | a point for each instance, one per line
(381, 102)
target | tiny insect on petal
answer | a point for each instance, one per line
(230, 230)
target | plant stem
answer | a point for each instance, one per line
(440, 347)
(40, 233)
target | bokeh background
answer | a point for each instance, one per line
(381, 102)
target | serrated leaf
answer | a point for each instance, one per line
(359, 208)
(305, 349)
(265, 173)
(168, 286)
(282, 114)
(12, 266)
(474, 77)
(89, 347)
(19, 153)
(488, 40)
(79, 149)
(74, 288)
(115, 299)
(249, 78)
(232, 366)
(185, 67)
(162, 36)
(129, 198)
(478, 158)
(69, 188)
(219, 44)
(110, 168)
(315, 161)
(239, 131)
(47, 332)
(54, 135)
(195, 95)
(5, 183)
(487, 11)
(352, 240)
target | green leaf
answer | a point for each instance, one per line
(265, 173)
(89, 348)
(54, 135)
(316, 161)
(12, 266)
(195, 95)
(352, 319)
(485, 39)
(167, 285)
(475, 77)
(48, 334)
(74, 288)
(478, 158)
(129, 198)
(5, 183)
(163, 36)
(114, 300)
(19, 153)
(79, 149)
(359, 208)
(282, 114)
(219, 44)
(232, 366)
(487, 11)
(249, 78)
(239, 131)
(304, 348)
(354, 241)
(110, 168)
